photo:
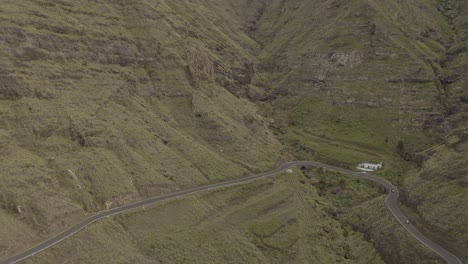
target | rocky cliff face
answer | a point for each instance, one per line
(127, 95)
(444, 171)
(372, 54)
(405, 62)
(140, 98)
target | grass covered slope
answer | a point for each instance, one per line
(376, 81)
(364, 72)
(437, 194)
(444, 170)
(278, 220)
(105, 103)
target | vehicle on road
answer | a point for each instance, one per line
(393, 190)
(391, 205)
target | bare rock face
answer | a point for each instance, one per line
(201, 66)
(108, 205)
(75, 179)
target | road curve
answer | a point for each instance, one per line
(390, 202)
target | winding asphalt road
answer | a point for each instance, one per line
(390, 202)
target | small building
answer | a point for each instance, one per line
(369, 166)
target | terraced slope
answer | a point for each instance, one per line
(444, 171)
(369, 80)
(270, 221)
(103, 103)
(364, 72)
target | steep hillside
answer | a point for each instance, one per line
(356, 71)
(444, 171)
(279, 220)
(377, 80)
(348, 81)
(107, 102)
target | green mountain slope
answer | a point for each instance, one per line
(104, 103)
(369, 64)
(270, 221)
(361, 78)
(108, 103)
(444, 170)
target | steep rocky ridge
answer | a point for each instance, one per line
(375, 75)
(125, 97)
(374, 54)
(102, 103)
(444, 170)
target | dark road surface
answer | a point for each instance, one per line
(390, 202)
